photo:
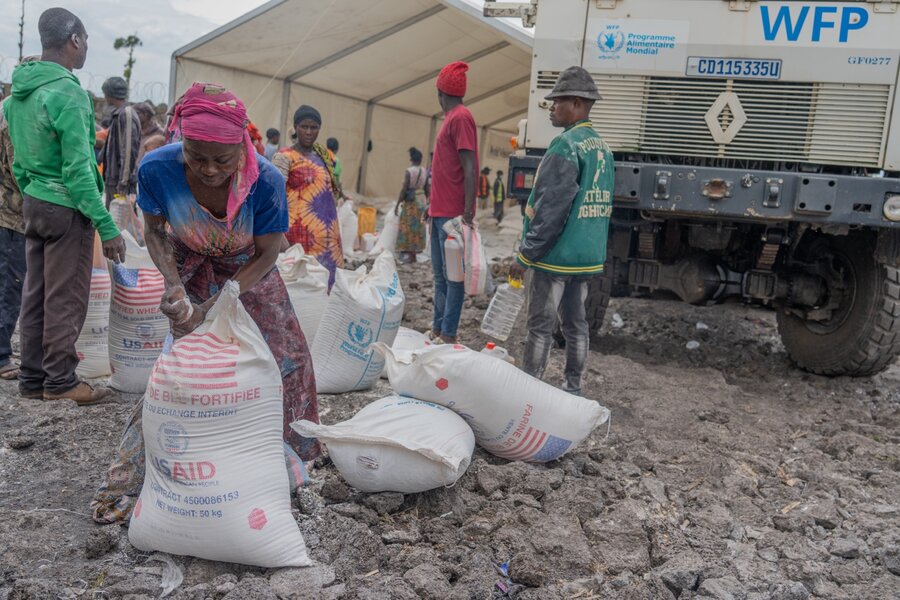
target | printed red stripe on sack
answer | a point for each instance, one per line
(198, 375)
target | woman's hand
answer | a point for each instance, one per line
(175, 304)
(193, 321)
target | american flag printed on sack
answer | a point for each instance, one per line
(536, 446)
(138, 288)
(198, 361)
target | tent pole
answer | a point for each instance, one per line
(484, 134)
(285, 108)
(364, 160)
(432, 133)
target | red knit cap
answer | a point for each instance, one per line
(452, 80)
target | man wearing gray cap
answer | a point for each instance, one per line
(123, 142)
(566, 227)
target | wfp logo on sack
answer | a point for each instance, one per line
(360, 334)
(172, 438)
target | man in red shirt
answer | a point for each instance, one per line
(454, 178)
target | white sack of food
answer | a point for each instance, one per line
(92, 344)
(137, 329)
(406, 341)
(128, 217)
(307, 285)
(387, 239)
(397, 444)
(513, 415)
(216, 485)
(349, 224)
(363, 308)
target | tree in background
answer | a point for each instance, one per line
(22, 31)
(131, 42)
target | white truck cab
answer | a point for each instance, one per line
(757, 149)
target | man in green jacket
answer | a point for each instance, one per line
(566, 227)
(51, 125)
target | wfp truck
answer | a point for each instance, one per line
(757, 148)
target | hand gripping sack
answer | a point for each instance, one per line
(397, 444)
(216, 485)
(387, 239)
(362, 309)
(307, 285)
(349, 224)
(137, 329)
(92, 344)
(513, 415)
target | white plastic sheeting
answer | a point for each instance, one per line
(369, 67)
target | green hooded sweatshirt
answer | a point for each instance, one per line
(51, 125)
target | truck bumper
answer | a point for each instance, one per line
(761, 196)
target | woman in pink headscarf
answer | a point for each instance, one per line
(215, 211)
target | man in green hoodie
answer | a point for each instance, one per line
(51, 125)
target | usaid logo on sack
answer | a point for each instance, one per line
(360, 334)
(172, 438)
(144, 331)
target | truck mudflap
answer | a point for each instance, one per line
(755, 195)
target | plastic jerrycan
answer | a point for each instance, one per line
(454, 259)
(492, 349)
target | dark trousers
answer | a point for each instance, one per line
(12, 274)
(552, 297)
(59, 245)
(449, 296)
(498, 210)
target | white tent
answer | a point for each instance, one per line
(369, 67)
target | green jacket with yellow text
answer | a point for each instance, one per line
(567, 216)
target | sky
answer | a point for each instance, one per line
(162, 25)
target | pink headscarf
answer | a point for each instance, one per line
(209, 113)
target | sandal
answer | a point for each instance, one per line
(9, 372)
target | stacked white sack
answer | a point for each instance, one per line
(307, 285)
(387, 239)
(92, 345)
(137, 329)
(349, 224)
(362, 309)
(513, 415)
(216, 485)
(397, 445)
(406, 341)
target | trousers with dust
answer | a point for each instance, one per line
(512, 414)
(216, 485)
(137, 329)
(363, 308)
(397, 444)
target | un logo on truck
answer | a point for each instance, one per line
(610, 42)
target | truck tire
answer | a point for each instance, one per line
(863, 337)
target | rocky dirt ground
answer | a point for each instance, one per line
(727, 474)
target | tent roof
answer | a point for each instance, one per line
(387, 52)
